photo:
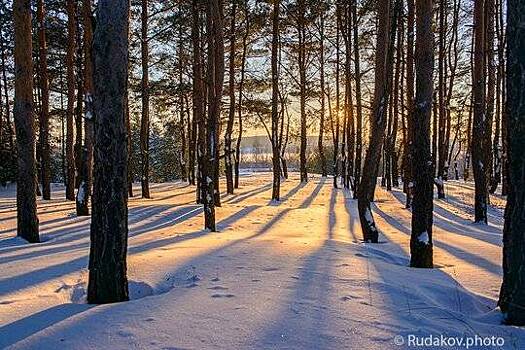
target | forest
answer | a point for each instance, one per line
(253, 174)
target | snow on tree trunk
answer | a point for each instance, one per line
(383, 76)
(422, 167)
(512, 295)
(109, 224)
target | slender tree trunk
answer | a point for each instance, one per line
(44, 113)
(422, 170)
(479, 146)
(27, 220)
(84, 189)
(241, 90)
(70, 115)
(512, 294)
(182, 119)
(359, 106)
(145, 123)
(337, 93)
(322, 156)
(301, 31)
(408, 177)
(228, 152)
(442, 108)
(383, 75)
(490, 18)
(78, 109)
(215, 77)
(109, 225)
(276, 153)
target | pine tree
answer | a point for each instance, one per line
(422, 169)
(27, 220)
(512, 294)
(109, 224)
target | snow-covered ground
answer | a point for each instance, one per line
(292, 274)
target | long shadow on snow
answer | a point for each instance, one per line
(451, 222)
(461, 254)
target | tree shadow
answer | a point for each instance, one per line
(27, 326)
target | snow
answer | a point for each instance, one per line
(294, 274)
(423, 238)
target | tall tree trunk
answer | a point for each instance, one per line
(442, 108)
(359, 106)
(215, 77)
(109, 224)
(182, 119)
(26, 182)
(84, 189)
(301, 31)
(479, 146)
(512, 294)
(70, 115)
(44, 112)
(276, 153)
(78, 109)
(490, 18)
(337, 93)
(322, 156)
(407, 178)
(422, 170)
(145, 123)
(241, 91)
(228, 152)
(383, 76)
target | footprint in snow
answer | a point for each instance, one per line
(268, 269)
(218, 288)
(222, 295)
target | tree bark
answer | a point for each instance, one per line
(84, 189)
(322, 156)
(44, 112)
(109, 225)
(228, 152)
(422, 169)
(479, 146)
(383, 61)
(70, 114)
(27, 220)
(512, 294)
(145, 122)
(301, 31)
(276, 153)
(359, 105)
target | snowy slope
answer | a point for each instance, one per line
(291, 275)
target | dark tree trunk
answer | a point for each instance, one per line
(441, 151)
(241, 90)
(479, 146)
(144, 124)
(228, 151)
(78, 109)
(322, 156)
(359, 106)
(44, 112)
(422, 170)
(70, 115)
(27, 220)
(407, 171)
(383, 60)
(301, 31)
(109, 225)
(276, 153)
(215, 77)
(512, 295)
(84, 189)
(337, 93)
